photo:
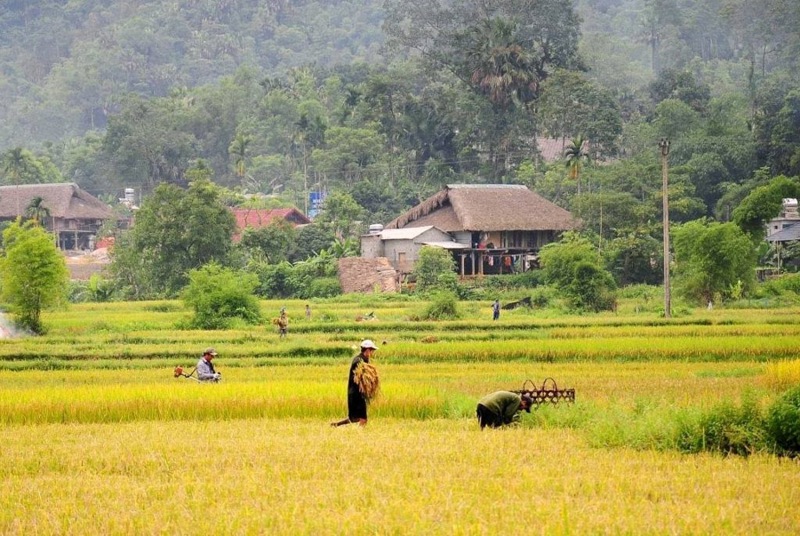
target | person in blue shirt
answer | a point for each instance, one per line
(205, 368)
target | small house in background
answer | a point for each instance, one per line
(492, 228)
(786, 226)
(72, 215)
(784, 229)
(401, 246)
(252, 218)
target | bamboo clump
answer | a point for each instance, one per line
(366, 378)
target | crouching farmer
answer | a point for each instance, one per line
(501, 408)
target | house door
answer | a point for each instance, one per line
(401, 261)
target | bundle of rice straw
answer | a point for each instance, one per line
(366, 377)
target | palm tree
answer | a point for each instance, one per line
(498, 65)
(37, 211)
(238, 149)
(15, 163)
(575, 155)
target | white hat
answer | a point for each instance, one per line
(366, 343)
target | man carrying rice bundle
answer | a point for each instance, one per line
(362, 385)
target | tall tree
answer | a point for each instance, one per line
(576, 156)
(713, 260)
(176, 231)
(34, 273)
(238, 149)
(547, 30)
(571, 104)
(145, 144)
(501, 52)
(496, 64)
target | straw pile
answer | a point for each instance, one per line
(366, 377)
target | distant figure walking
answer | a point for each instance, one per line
(496, 310)
(308, 312)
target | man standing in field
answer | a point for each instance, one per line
(362, 385)
(283, 323)
(496, 310)
(205, 369)
(501, 408)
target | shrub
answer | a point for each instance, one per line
(95, 289)
(783, 423)
(542, 297)
(443, 306)
(33, 273)
(274, 280)
(575, 268)
(529, 279)
(713, 259)
(725, 428)
(432, 263)
(780, 285)
(219, 296)
(591, 288)
(323, 287)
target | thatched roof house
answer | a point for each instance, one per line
(75, 216)
(485, 208)
(63, 200)
(502, 226)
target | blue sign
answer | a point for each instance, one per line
(315, 202)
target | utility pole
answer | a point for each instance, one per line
(664, 145)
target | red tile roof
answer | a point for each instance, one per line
(255, 218)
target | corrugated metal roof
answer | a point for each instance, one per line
(787, 234)
(407, 233)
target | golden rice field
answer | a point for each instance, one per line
(98, 437)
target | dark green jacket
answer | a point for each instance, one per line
(504, 404)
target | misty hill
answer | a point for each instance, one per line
(65, 64)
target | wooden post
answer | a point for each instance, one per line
(664, 145)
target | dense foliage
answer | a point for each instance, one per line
(432, 264)
(714, 261)
(280, 100)
(575, 268)
(176, 231)
(783, 422)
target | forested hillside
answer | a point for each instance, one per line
(383, 102)
(67, 63)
